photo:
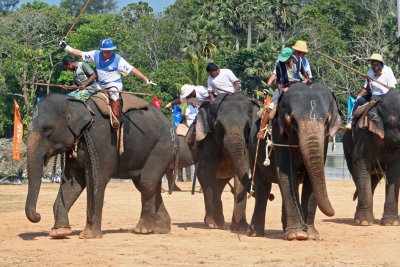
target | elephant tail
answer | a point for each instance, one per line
(355, 195)
(175, 171)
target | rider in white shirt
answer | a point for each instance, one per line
(221, 80)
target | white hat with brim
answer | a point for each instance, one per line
(300, 46)
(186, 90)
(376, 57)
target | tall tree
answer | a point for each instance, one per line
(95, 6)
(134, 11)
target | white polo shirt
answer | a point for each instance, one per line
(201, 95)
(224, 81)
(387, 78)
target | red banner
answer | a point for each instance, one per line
(18, 132)
(157, 102)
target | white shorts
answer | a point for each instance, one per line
(274, 100)
(117, 87)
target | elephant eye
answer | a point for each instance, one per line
(47, 130)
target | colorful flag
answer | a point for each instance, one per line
(177, 115)
(350, 104)
(157, 102)
(18, 132)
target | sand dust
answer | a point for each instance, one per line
(190, 243)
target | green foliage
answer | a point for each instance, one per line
(174, 47)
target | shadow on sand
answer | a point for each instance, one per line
(35, 235)
(348, 221)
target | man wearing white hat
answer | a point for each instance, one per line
(190, 93)
(380, 73)
(300, 49)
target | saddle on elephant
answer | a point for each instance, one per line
(364, 117)
(128, 102)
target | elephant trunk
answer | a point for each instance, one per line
(312, 146)
(35, 160)
(236, 147)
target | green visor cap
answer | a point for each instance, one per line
(285, 54)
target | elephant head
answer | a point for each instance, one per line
(57, 122)
(308, 115)
(230, 118)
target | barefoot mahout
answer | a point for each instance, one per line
(222, 154)
(307, 115)
(372, 150)
(62, 124)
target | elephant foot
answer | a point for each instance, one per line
(390, 221)
(364, 218)
(60, 232)
(212, 224)
(145, 227)
(255, 231)
(312, 233)
(88, 233)
(241, 226)
(363, 222)
(296, 234)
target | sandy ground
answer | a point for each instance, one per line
(190, 244)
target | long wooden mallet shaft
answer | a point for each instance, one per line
(353, 70)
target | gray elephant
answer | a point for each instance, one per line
(65, 125)
(306, 117)
(222, 154)
(373, 151)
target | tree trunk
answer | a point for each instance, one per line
(249, 34)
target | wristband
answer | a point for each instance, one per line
(68, 48)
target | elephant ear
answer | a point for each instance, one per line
(375, 123)
(78, 116)
(335, 120)
(203, 119)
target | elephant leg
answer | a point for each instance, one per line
(239, 222)
(70, 190)
(154, 217)
(309, 207)
(188, 172)
(94, 209)
(364, 212)
(390, 215)
(207, 169)
(170, 178)
(180, 174)
(288, 184)
(262, 189)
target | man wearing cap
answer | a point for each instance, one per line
(221, 80)
(109, 67)
(371, 89)
(190, 93)
(84, 78)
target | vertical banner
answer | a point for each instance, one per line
(18, 132)
(177, 115)
(157, 102)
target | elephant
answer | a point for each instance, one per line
(62, 124)
(307, 115)
(223, 154)
(373, 152)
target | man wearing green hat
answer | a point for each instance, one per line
(288, 70)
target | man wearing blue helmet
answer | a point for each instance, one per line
(109, 67)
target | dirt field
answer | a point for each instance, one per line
(190, 244)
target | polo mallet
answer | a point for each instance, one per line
(76, 20)
(353, 70)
